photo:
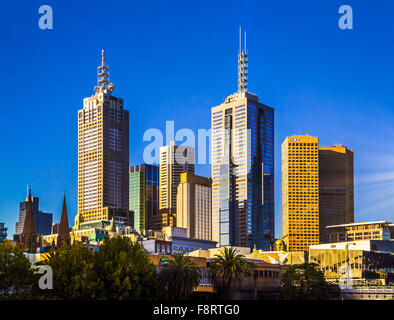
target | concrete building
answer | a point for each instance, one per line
(262, 282)
(194, 206)
(243, 167)
(174, 160)
(182, 243)
(300, 192)
(371, 230)
(144, 197)
(103, 155)
(3, 232)
(336, 188)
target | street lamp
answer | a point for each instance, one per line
(347, 262)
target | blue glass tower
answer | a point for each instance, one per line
(243, 168)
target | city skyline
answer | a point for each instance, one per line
(341, 101)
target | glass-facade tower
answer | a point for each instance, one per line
(243, 167)
(243, 172)
(144, 196)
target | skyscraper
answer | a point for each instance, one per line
(174, 160)
(144, 197)
(42, 220)
(103, 155)
(194, 206)
(300, 192)
(243, 167)
(336, 188)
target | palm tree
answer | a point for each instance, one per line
(228, 268)
(180, 276)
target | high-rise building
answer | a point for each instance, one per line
(42, 220)
(103, 155)
(194, 206)
(336, 188)
(3, 232)
(174, 160)
(243, 167)
(144, 196)
(300, 192)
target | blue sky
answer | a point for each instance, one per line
(174, 60)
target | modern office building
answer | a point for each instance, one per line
(371, 230)
(103, 155)
(194, 206)
(174, 160)
(144, 196)
(368, 259)
(3, 232)
(243, 167)
(336, 188)
(300, 192)
(42, 220)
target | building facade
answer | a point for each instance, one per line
(368, 260)
(371, 230)
(300, 192)
(3, 232)
(144, 196)
(103, 155)
(174, 160)
(336, 188)
(42, 220)
(194, 206)
(243, 168)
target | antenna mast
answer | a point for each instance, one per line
(242, 65)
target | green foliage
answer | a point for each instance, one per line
(179, 276)
(304, 282)
(125, 270)
(119, 270)
(17, 278)
(74, 274)
(228, 267)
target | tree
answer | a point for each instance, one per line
(179, 276)
(228, 267)
(74, 274)
(304, 282)
(125, 270)
(17, 278)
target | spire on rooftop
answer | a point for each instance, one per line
(242, 65)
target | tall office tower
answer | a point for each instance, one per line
(144, 197)
(243, 167)
(174, 160)
(194, 206)
(103, 155)
(42, 220)
(300, 192)
(336, 188)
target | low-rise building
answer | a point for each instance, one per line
(371, 230)
(363, 261)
